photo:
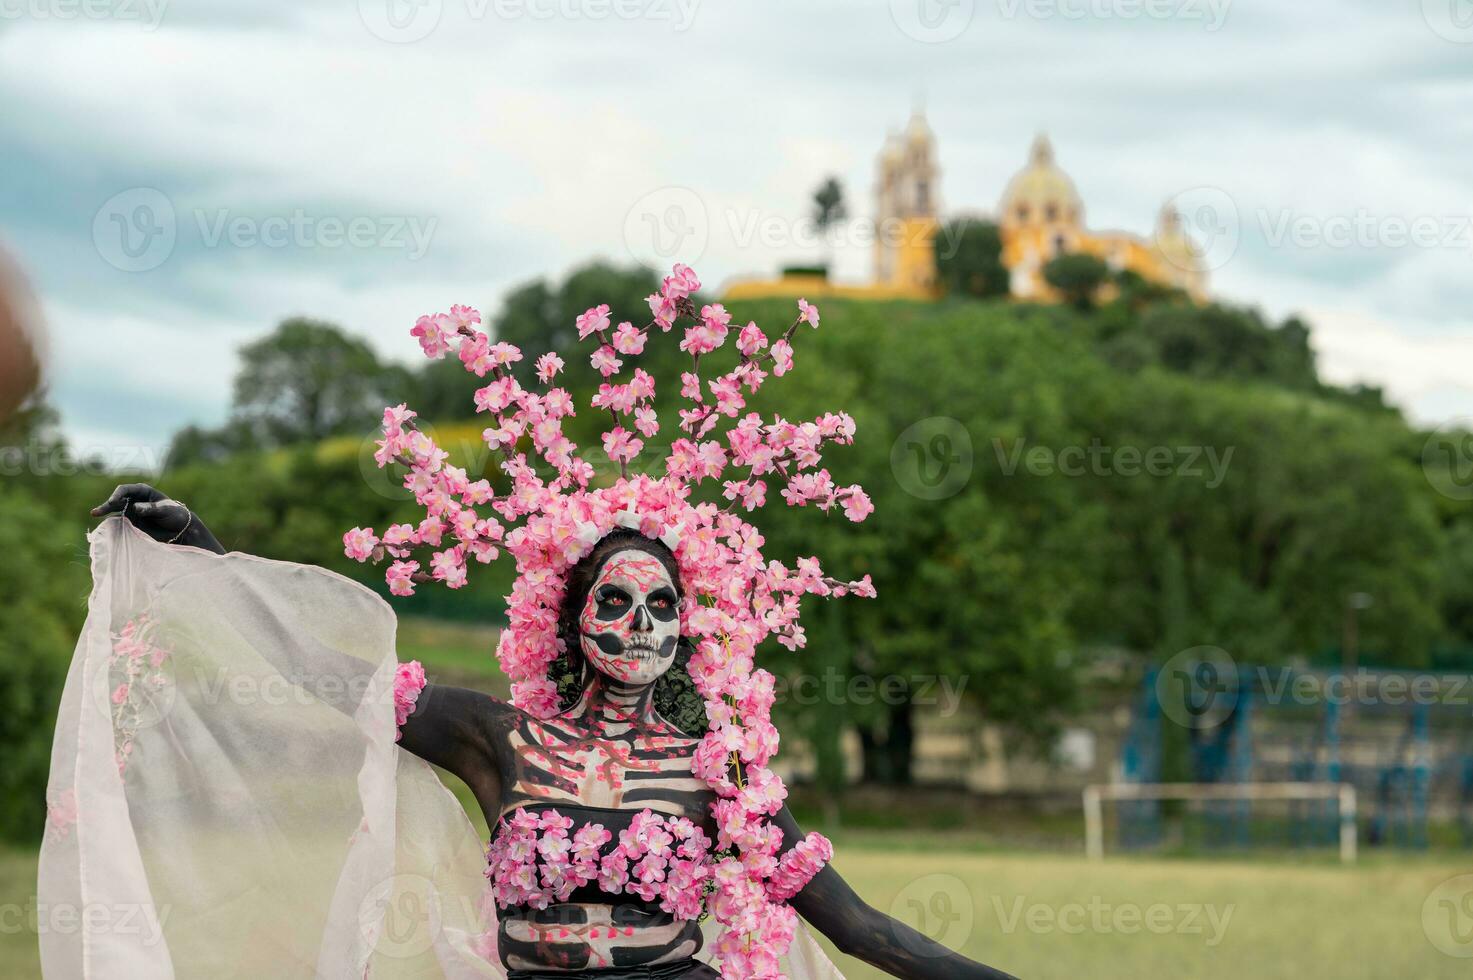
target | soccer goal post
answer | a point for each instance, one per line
(1096, 795)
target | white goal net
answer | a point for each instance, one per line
(1337, 800)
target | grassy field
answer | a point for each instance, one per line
(454, 653)
(994, 894)
(1057, 916)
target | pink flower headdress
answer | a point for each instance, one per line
(551, 517)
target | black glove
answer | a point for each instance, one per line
(159, 517)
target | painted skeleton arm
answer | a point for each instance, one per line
(833, 908)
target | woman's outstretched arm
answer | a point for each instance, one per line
(832, 907)
(455, 728)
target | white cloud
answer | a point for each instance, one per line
(527, 141)
(1425, 375)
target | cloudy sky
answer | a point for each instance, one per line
(182, 174)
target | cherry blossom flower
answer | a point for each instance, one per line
(548, 365)
(751, 340)
(464, 317)
(857, 505)
(594, 320)
(628, 339)
(401, 577)
(604, 361)
(807, 312)
(681, 282)
(359, 543)
(782, 357)
(646, 421)
(621, 444)
(409, 680)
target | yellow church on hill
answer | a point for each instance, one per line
(1040, 217)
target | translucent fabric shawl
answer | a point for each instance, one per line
(226, 797)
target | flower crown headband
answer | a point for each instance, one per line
(734, 597)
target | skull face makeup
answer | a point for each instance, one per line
(630, 622)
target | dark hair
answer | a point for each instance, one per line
(676, 697)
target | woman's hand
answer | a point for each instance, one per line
(158, 516)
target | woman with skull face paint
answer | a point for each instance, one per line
(607, 757)
(627, 783)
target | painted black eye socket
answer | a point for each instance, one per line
(663, 604)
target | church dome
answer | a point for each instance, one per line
(1041, 193)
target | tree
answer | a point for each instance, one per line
(309, 380)
(1135, 292)
(198, 444)
(39, 620)
(1221, 341)
(1077, 277)
(975, 585)
(34, 424)
(829, 209)
(969, 259)
(538, 316)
